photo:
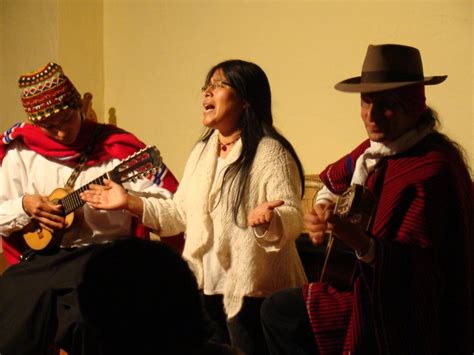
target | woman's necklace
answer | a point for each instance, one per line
(224, 146)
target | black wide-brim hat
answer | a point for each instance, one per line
(389, 66)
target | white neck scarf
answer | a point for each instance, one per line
(366, 163)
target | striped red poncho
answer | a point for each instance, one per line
(417, 298)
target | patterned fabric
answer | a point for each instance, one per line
(340, 327)
(330, 329)
(418, 295)
(47, 91)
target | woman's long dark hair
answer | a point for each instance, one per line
(251, 85)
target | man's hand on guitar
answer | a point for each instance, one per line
(316, 222)
(351, 234)
(48, 214)
(322, 220)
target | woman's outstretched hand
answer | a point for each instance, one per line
(263, 213)
(110, 196)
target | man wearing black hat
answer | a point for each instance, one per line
(412, 290)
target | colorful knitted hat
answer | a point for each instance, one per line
(47, 91)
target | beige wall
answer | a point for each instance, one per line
(34, 32)
(81, 46)
(28, 34)
(147, 60)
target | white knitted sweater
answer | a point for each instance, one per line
(254, 266)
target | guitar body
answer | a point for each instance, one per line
(356, 206)
(339, 266)
(39, 238)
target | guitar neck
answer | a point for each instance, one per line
(73, 201)
(134, 167)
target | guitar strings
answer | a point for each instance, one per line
(73, 201)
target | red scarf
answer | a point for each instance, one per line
(112, 142)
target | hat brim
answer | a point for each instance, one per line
(355, 85)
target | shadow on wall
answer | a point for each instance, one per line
(90, 114)
(112, 117)
(87, 107)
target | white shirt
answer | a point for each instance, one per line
(214, 273)
(25, 172)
